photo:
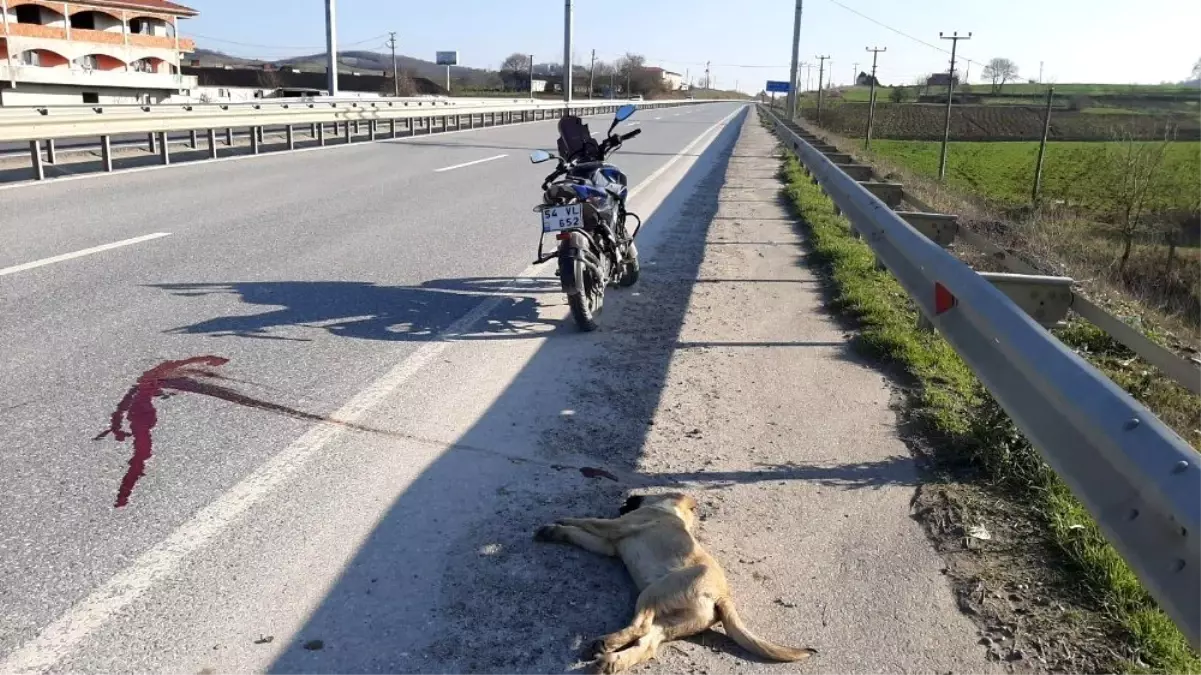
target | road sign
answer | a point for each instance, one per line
(447, 58)
(777, 86)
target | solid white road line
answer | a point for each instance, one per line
(60, 638)
(460, 166)
(79, 254)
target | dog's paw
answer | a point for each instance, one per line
(598, 648)
(546, 533)
(608, 663)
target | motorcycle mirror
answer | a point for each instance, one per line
(624, 112)
(539, 156)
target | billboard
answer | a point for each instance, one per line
(777, 86)
(446, 58)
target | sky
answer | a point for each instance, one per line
(746, 42)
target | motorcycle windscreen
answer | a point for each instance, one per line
(575, 141)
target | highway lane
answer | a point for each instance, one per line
(314, 273)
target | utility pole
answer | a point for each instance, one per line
(531, 77)
(567, 51)
(708, 81)
(613, 84)
(1042, 148)
(793, 96)
(629, 69)
(871, 110)
(946, 130)
(395, 75)
(331, 48)
(855, 74)
(820, 73)
(1040, 72)
(591, 74)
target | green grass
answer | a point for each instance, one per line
(1003, 172)
(972, 431)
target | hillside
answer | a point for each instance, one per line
(358, 61)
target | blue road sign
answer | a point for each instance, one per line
(776, 86)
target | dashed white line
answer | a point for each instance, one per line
(460, 166)
(79, 254)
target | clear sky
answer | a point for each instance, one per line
(747, 41)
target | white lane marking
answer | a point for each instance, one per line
(460, 166)
(79, 254)
(657, 118)
(60, 638)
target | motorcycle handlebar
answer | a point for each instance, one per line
(626, 137)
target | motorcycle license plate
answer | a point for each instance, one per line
(558, 218)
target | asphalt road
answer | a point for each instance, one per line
(315, 274)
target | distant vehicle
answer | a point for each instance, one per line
(636, 97)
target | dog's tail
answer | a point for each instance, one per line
(737, 630)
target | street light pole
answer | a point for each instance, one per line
(567, 51)
(791, 103)
(331, 48)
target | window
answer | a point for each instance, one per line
(84, 20)
(139, 26)
(29, 14)
(91, 97)
(31, 57)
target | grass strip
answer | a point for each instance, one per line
(972, 432)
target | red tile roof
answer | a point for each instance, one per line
(152, 5)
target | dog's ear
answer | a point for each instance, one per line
(633, 503)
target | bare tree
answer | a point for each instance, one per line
(515, 63)
(1197, 70)
(1128, 186)
(999, 71)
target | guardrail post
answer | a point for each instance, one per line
(50, 156)
(392, 127)
(35, 153)
(255, 140)
(321, 134)
(312, 131)
(262, 134)
(106, 152)
(291, 138)
(229, 137)
(192, 139)
(371, 130)
(212, 139)
(153, 143)
(164, 150)
(346, 130)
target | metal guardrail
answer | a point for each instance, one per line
(1139, 480)
(47, 124)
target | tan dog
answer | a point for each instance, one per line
(683, 590)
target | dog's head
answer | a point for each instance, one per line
(681, 504)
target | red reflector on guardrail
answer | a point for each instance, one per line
(943, 300)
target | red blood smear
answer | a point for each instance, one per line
(137, 407)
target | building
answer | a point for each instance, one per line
(671, 81)
(941, 80)
(91, 51)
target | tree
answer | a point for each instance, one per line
(1197, 70)
(898, 94)
(999, 71)
(1128, 186)
(632, 68)
(515, 63)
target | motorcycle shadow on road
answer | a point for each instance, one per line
(367, 311)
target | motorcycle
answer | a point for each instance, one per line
(584, 206)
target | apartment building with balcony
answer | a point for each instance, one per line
(61, 52)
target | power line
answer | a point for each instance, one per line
(881, 24)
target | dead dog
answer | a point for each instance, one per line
(682, 589)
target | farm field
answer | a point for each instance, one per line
(1003, 172)
(924, 122)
